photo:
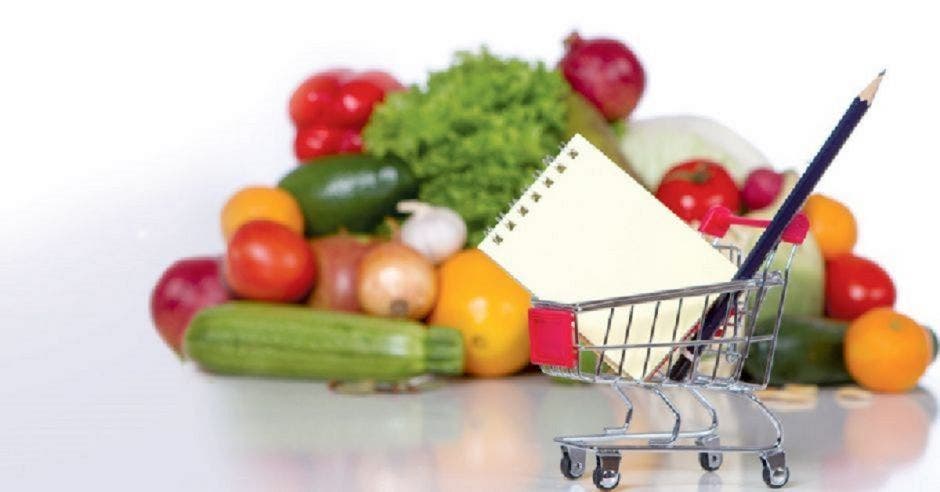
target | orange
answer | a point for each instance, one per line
(886, 351)
(491, 310)
(261, 202)
(833, 225)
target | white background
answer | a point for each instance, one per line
(124, 127)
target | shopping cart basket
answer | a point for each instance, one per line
(717, 363)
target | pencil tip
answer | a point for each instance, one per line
(882, 72)
(868, 93)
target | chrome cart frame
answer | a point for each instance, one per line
(717, 363)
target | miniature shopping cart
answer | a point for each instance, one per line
(717, 363)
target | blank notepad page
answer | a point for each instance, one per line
(585, 230)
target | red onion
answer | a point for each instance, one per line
(761, 188)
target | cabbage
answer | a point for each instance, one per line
(654, 145)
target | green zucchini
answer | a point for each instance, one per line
(354, 192)
(258, 339)
(809, 351)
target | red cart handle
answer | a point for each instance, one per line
(719, 219)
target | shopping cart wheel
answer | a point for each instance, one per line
(607, 472)
(572, 462)
(776, 472)
(710, 460)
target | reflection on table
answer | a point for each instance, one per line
(497, 435)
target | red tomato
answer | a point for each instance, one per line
(854, 285)
(266, 261)
(690, 188)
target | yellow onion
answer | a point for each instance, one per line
(396, 281)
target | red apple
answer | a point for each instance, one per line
(186, 287)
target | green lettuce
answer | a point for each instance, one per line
(475, 136)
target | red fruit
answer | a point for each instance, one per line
(319, 140)
(605, 72)
(761, 188)
(338, 258)
(266, 261)
(185, 288)
(855, 285)
(690, 188)
(316, 96)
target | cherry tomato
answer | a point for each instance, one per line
(690, 188)
(266, 261)
(855, 285)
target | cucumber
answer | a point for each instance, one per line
(355, 192)
(258, 339)
(809, 351)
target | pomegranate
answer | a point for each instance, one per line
(605, 72)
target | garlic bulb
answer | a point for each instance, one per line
(435, 232)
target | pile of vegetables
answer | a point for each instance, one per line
(391, 185)
(359, 263)
(839, 325)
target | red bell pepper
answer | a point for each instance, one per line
(330, 108)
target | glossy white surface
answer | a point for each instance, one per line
(123, 428)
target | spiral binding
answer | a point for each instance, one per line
(548, 162)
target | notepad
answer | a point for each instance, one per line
(585, 230)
